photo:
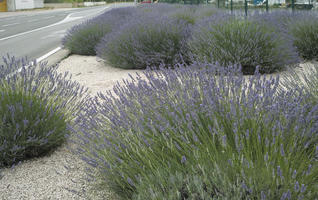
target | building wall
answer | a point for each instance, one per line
(38, 3)
(11, 5)
(24, 4)
(92, 3)
(272, 2)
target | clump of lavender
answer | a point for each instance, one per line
(299, 27)
(159, 8)
(304, 29)
(186, 14)
(148, 40)
(278, 19)
(207, 11)
(36, 106)
(230, 40)
(197, 183)
(83, 38)
(202, 131)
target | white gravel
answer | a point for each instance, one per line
(47, 177)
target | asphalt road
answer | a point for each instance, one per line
(34, 35)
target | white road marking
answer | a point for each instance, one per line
(2, 31)
(68, 18)
(37, 61)
(10, 24)
(48, 54)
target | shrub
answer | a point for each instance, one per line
(159, 8)
(227, 40)
(186, 14)
(207, 11)
(181, 130)
(278, 19)
(299, 27)
(83, 38)
(304, 29)
(194, 184)
(36, 106)
(148, 40)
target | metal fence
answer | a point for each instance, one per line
(261, 5)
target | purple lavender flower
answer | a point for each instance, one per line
(183, 159)
(35, 109)
(231, 40)
(83, 38)
(162, 105)
(148, 40)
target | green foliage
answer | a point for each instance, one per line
(305, 32)
(190, 133)
(34, 120)
(204, 12)
(147, 41)
(199, 183)
(36, 106)
(187, 15)
(82, 39)
(242, 42)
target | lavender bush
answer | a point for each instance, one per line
(192, 14)
(149, 40)
(186, 14)
(299, 27)
(83, 38)
(207, 11)
(269, 40)
(187, 133)
(159, 8)
(36, 106)
(230, 40)
(304, 28)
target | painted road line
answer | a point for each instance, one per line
(68, 18)
(2, 31)
(45, 56)
(48, 54)
(10, 24)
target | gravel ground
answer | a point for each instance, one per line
(61, 175)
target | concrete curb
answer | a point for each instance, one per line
(57, 57)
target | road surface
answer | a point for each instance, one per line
(34, 35)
